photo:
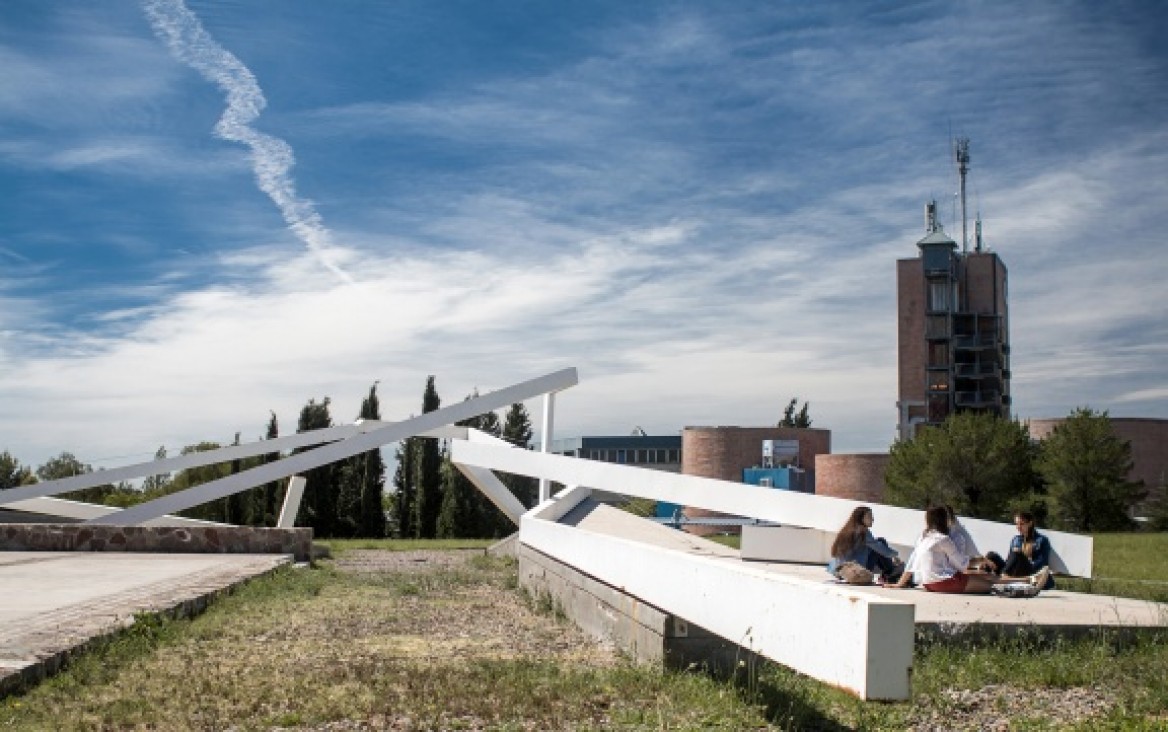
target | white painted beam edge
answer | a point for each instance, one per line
(494, 490)
(1072, 553)
(842, 637)
(292, 498)
(190, 460)
(79, 510)
(348, 447)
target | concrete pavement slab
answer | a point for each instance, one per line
(53, 604)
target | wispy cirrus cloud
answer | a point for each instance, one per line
(701, 210)
(272, 158)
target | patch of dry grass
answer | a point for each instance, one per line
(438, 647)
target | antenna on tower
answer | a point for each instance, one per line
(961, 152)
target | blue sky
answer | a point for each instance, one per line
(214, 210)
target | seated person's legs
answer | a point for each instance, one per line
(1018, 566)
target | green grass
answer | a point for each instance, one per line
(1127, 565)
(339, 546)
(734, 541)
(306, 648)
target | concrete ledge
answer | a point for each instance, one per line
(164, 539)
(646, 633)
(68, 603)
(852, 640)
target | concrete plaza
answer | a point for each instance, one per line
(53, 604)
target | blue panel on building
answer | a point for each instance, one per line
(786, 479)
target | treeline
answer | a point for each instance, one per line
(347, 498)
(989, 467)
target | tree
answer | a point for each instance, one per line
(465, 511)
(156, 485)
(265, 500)
(517, 430)
(235, 506)
(318, 506)
(427, 467)
(12, 474)
(362, 478)
(190, 477)
(402, 509)
(791, 419)
(372, 521)
(458, 517)
(980, 464)
(66, 465)
(1086, 467)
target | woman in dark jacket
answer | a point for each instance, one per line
(1029, 551)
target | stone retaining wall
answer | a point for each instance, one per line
(162, 539)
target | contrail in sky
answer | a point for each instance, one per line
(271, 157)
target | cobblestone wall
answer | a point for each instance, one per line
(162, 539)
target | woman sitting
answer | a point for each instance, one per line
(1029, 552)
(939, 566)
(855, 543)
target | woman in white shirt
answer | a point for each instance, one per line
(939, 566)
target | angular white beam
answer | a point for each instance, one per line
(493, 488)
(190, 460)
(292, 498)
(81, 511)
(1071, 553)
(549, 421)
(853, 640)
(353, 445)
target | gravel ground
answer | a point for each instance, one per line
(501, 624)
(994, 707)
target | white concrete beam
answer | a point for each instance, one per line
(190, 460)
(81, 511)
(495, 490)
(850, 639)
(292, 498)
(348, 447)
(1072, 553)
(549, 422)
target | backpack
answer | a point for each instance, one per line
(1015, 589)
(854, 573)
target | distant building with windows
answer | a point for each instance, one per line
(953, 331)
(659, 452)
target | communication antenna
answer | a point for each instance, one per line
(961, 152)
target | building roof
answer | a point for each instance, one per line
(937, 237)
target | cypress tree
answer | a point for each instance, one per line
(427, 474)
(318, 507)
(517, 430)
(235, 506)
(405, 493)
(156, 485)
(458, 517)
(266, 509)
(372, 508)
(362, 477)
(348, 497)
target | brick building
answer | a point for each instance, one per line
(952, 331)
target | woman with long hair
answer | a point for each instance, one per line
(1029, 551)
(855, 543)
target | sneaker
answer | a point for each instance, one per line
(1039, 580)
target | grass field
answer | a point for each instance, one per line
(461, 647)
